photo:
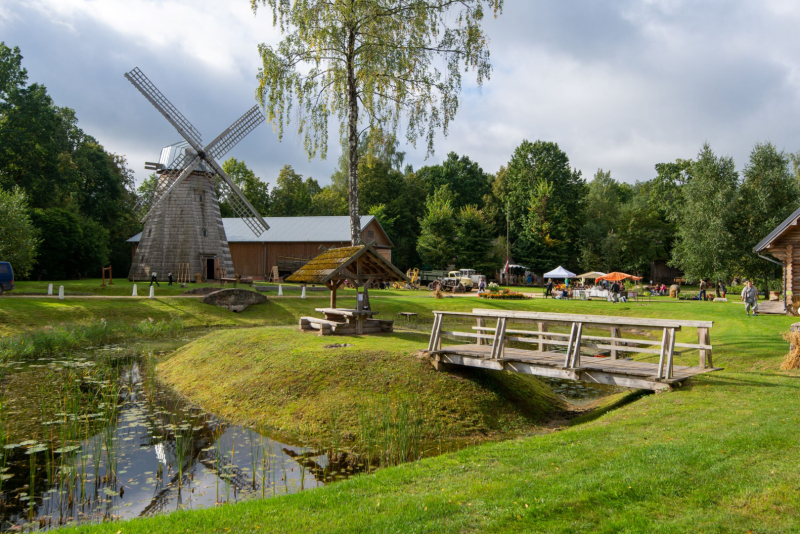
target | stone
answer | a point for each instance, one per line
(235, 300)
(720, 299)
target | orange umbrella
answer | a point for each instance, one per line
(617, 276)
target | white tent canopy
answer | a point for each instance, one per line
(559, 272)
(592, 275)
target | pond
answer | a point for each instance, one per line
(95, 437)
(119, 446)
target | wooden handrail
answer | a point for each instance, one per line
(498, 335)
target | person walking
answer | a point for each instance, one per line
(169, 276)
(154, 279)
(615, 292)
(750, 298)
(548, 292)
(482, 285)
(722, 289)
(703, 287)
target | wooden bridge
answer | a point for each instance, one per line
(574, 355)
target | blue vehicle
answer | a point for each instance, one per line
(6, 277)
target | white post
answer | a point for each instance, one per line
(303, 294)
(60, 292)
(135, 291)
(280, 290)
(50, 289)
(152, 292)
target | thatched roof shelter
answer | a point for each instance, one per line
(361, 265)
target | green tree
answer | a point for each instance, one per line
(19, 238)
(292, 196)
(706, 246)
(474, 240)
(465, 177)
(72, 246)
(373, 62)
(12, 75)
(436, 244)
(255, 190)
(770, 192)
(544, 199)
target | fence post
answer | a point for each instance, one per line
(481, 324)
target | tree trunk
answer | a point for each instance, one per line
(352, 141)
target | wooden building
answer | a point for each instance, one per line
(661, 273)
(290, 242)
(783, 243)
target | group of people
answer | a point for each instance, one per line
(615, 289)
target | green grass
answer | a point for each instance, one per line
(718, 455)
(285, 381)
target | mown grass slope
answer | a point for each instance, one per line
(718, 455)
(282, 380)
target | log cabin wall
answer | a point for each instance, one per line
(787, 250)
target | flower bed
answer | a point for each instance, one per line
(505, 294)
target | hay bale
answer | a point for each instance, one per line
(792, 360)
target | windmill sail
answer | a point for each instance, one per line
(234, 197)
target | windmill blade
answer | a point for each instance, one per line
(237, 201)
(235, 133)
(170, 112)
(173, 183)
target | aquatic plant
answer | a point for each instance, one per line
(68, 340)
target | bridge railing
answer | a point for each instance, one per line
(498, 335)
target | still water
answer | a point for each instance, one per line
(130, 448)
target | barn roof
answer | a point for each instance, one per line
(343, 264)
(790, 221)
(291, 230)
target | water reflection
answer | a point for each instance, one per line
(159, 454)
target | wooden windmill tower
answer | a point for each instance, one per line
(182, 221)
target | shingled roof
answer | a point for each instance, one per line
(347, 263)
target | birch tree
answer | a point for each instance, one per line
(370, 63)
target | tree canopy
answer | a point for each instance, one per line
(370, 63)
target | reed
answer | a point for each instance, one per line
(68, 340)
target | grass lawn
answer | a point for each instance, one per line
(280, 380)
(718, 455)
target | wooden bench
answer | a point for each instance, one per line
(559, 354)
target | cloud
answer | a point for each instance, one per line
(619, 85)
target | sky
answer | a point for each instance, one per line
(619, 85)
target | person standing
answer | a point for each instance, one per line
(722, 289)
(169, 276)
(548, 292)
(615, 292)
(750, 298)
(154, 279)
(703, 287)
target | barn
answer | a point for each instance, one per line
(290, 242)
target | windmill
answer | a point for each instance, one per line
(182, 221)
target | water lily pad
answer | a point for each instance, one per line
(110, 492)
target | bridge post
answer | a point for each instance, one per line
(662, 354)
(542, 328)
(481, 324)
(703, 338)
(670, 353)
(436, 342)
(615, 333)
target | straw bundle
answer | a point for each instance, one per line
(792, 360)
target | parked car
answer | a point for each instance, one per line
(6, 277)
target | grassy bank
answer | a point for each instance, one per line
(296, 384)
(719, 455)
